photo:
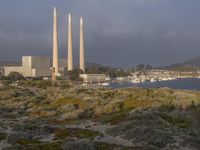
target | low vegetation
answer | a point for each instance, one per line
(2, 136)
(43, 117)
(74, 132)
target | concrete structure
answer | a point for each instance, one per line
(82, 57)
(36, 66)
(1, 71)
(32, 66)
(9, 69)
(93, 78)
(55, 42)
(70, 50)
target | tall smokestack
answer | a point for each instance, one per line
(70, 52)
(82, 57)
(55, 43)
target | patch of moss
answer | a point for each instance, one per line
(56, 121)
(75, 132)
(3, 136)
(27, 141)
(114, 118)
(178, 121)
(36, 83)
(68, 100)
(131, 104)
(51, 146)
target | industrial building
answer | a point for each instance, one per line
(34, 66)
(37, 66)
(93, 78)
(9, 69)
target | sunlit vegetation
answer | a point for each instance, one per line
(150, 118)
(36, 83)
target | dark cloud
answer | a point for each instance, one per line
(118, 32)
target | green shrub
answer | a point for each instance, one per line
(75, 132)
(3, 136)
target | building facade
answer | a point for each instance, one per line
(8, 70)
(32, 66)
(93, 78)
(36, 66)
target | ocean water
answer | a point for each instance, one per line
(184, 84)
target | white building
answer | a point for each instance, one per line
(9, 69)
(36, 66)
(32, 66)
(93, 78)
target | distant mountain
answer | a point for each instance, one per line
(189, 65)
(9, 63)
(194, 61)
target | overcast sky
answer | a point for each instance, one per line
(120, 33)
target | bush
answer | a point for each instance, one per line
(15, 76)
(73, 75)
(36, 83)
(3, 136)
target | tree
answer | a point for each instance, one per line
(15, 76)
(140, 67)
(148, 67)
(2, 77)
(74, 74)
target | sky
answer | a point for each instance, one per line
(119, 33)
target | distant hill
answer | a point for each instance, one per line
(194, 61)
(111, 71)
(189, 65)
(9, 63)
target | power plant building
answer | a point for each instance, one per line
(36, 66)
(32, 66)
(93, 78)
(9, 69)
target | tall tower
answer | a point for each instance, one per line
(82, 57)
(55, 43)
(70, 52)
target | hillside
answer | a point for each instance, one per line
(194, 61)
(40, 117)
(189, 65)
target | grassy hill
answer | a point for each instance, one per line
(189, 65)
